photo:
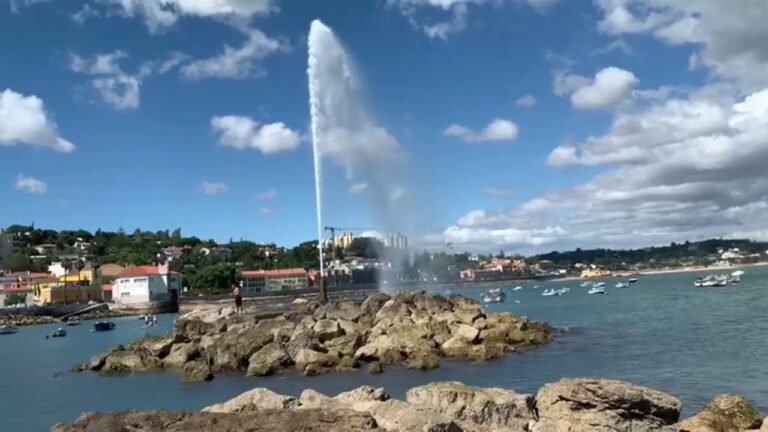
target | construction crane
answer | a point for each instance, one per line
(333, 230)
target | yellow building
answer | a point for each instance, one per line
(595, 273)
(83, 277)
(68, 294)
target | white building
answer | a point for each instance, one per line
(145, 284)
(57, 269)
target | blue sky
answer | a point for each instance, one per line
(656, 84)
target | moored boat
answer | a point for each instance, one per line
(549, 292)
(73, 323)
(8, 329)
(102, 326)
(597, 290)
(632, 280)
(59, 332)
(622, 285)
(494, 295)
(517, 288)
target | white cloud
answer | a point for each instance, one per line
(609, 87)
(115, 87)
(526, 101)
(161, 14)
(618, 45)
(30, 185)
(242, 62)
(214, 188)
(266, 195)
(23, 120)
(84, 14)
(458, 11)
(497, 130)
(730, 40)
(358, 188)
(267, 211)
(681, 164)
(244, 133)
(499, 192)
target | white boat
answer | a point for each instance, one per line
(517, 288)
(596, 290)
(8, 329)
(738, 273)
(598, 285)
(585, 284)
(495, 295)
(622, 285)
(712, 281)
(549, 292)
(632, 280)
(564, 290)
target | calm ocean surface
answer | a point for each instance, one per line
(663, 333)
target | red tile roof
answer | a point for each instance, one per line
(274, 273)
(141, 271)
(106, 287)
(23, 275)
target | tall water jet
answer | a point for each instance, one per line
(344, 132)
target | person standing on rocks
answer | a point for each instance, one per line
(238, 299)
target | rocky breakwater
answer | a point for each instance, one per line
(570, 405)
(413, 329)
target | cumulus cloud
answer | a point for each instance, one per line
(30, 185)
(358, 188)
(526, 101)
(499, 192)
(244, 133)
(115, 87)
(242, 62)
(608, 88)
(730, 40)
(684, 166)
(457, 12)
(267, 211)
(266, 195)
(214, 188)
(158, 15)
(497, 130)
(24, 121)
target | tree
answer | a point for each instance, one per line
(215, 277)
(18, 262)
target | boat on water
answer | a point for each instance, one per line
(494, 295)
(712, 281)
(59, 332)
(632, 280)
(597, 290)
(102, 326)
(563, 290)
(517, 288)
(8, 329)
(622, 285)
(598, 285)
(549, 292)
(585, 284)
(73, 323)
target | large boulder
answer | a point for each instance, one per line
(362, 394)
(393, 311)
(344, 346)
(473, 406)
(268, 360)
(180, 354)
(431, 303)
(233, 349)
(456, 346)
(572, 405)
(726, 412)
(254, 400)
(192, 329)
(466, 332)
(302, 338)
(327, 329)
(310, 361)
(346, 311)
(129, 361)
(305, 420)
(197, 371)
(399, 416)
(373, 303)
(384, 348)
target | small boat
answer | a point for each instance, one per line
(632, 280)
(494, 295)
(596, 290)
(564, 290)
(8, 329)
(517, 288)
(585, 284)
(73, 323)
(712, 281)
(549, 292)
(738, 273)
(59, 332)
(622, 285)
(102, 326)
(598, 285)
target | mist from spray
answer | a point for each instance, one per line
(343, 131)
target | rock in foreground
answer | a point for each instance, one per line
(571, 405)
(412, 329)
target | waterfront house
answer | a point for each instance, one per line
(595, 273)
(256, 281)
(106, 292)
(143, 285)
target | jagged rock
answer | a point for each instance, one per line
(489, 351)
(343, 311)
(399, 416)
(457, 346)
(345, 346)
(311, 362)
(384, 348)
(493, 408)
(268, 360)
(375, 368)
(129, 361)
(480, 323)
(726, 412)
(466, 332)
(306, 323)
(432, 303)
(572, 405)
(361, 394)
(373, 303)
(180, 354)
(327, 329)
(197, 371)
(426, 359)
(99, 360)
(232, 350)
(253, 400)
(393, 312)
(349, 327)
(161, 347)
(192, 329)
(347, 364)
(313, 399)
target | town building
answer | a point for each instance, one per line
(396, 241)
(595, 273)
(143, 285)
(343, 240)
(8, 246)
(45, 249)
(218, 252)
(257, 281)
